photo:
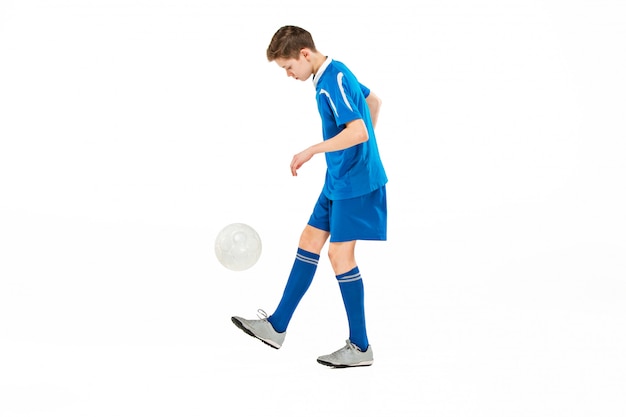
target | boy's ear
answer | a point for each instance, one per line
(305, 52)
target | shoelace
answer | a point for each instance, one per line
(351, 346)
(261, 314)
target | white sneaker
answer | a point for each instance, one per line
(348, 356)
(262, 329)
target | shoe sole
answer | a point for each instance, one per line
(335, 365)
(249, 332)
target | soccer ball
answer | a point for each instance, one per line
(238, 246)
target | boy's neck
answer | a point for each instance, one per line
(317, 60)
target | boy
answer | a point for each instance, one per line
(352, 205)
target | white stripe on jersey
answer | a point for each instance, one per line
(343, 93)
(322, 91)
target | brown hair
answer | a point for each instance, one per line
(287, 43)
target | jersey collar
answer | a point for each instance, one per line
(321, 70)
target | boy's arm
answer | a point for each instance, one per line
(373, 102)
(354, 133)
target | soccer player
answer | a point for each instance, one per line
(352, 205)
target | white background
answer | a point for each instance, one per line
(133, 131)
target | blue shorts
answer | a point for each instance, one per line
(359, 218)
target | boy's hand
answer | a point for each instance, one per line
(299, 160)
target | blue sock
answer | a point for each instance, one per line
(298, 283)
(351, 286)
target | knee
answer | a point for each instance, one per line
(335, 259)
(312, 240)
(333, 255)
(341, 258)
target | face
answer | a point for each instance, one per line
(300, 69)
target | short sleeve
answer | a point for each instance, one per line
(365, 90)
(342, 96)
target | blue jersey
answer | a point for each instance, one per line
(357, 170)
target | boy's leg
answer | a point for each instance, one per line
(271, 330)
(351, 285)
(357, 351)
(302, 272)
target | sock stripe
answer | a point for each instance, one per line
(349, 278)
(307, 259)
